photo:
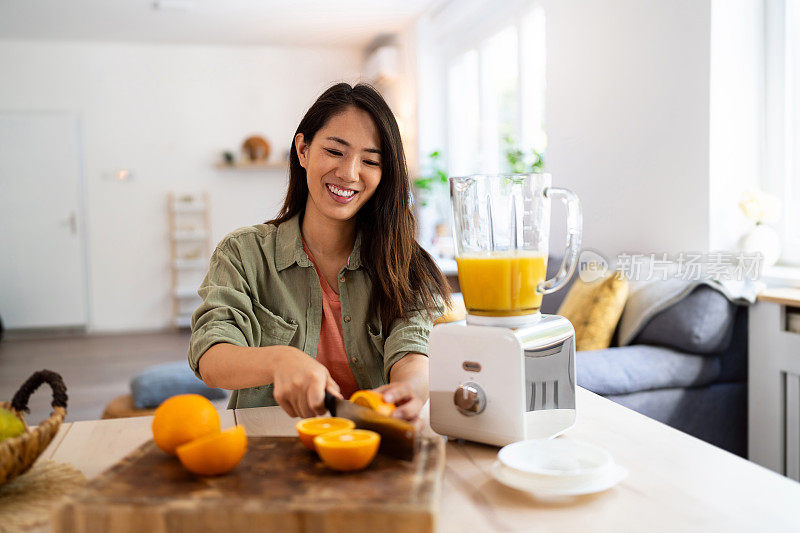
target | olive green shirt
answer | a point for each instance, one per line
(262, 290)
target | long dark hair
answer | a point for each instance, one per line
(404, 276)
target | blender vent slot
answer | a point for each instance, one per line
(544, 395)
(555, 395)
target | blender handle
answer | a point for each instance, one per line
(574, 229)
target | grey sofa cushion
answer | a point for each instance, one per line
(629, 369)
(700, 323)
(159, 382)
(733, 359)
(716, 414)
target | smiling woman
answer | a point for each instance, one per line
(335, 293)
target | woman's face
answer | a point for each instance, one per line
(343, 164)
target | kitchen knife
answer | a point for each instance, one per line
(398, 437)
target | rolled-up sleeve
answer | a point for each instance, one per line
(226, 314)
(409, 335)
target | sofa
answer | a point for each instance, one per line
(687, 367)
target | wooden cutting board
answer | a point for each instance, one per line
(278, 486)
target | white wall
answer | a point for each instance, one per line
(627, 119)
(165, 112)
(627, 109)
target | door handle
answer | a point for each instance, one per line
(72, 222)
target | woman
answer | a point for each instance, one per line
(334, 294)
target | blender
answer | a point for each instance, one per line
(506, 373)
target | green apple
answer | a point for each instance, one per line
(10, 425)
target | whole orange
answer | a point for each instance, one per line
(214, 454)
(183, 418)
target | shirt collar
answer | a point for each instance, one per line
(289, 247)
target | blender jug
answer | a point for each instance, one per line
(501, 228)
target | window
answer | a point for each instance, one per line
(495, 96)
(783, 117)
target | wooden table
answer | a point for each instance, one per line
(676, 482)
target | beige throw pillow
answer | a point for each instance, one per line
(594, 310)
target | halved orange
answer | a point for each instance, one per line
(373, 400)
(308, 428)
(349, 449)
(214, 454)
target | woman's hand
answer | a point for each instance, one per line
(300, 383)
(408, 387)
(402, 394)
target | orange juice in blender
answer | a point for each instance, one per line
(501, 283)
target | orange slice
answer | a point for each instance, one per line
(308, 428)
(214, 454)
(373, 400)
(349, 449)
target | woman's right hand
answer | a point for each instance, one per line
(300, 383)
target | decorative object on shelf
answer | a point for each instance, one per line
(762, 209)
(256, 148)
(18, 453)
(227, 156)
(190, 245)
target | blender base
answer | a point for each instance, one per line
(499, 385)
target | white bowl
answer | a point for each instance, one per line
(541, 486)
(557, 460)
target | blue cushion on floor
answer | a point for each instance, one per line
(640, 367)
(160, 382)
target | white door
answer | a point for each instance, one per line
(42, 262)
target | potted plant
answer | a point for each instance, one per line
(520, 161)
(432, 204)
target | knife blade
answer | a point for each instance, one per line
(398, 437)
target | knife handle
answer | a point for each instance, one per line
(330, 403)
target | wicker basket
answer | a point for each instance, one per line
(18, 454)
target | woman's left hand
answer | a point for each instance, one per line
(402, 394)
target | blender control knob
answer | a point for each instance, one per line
(470, 399)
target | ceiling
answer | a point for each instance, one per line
(219, 22)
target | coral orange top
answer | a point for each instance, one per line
(330, 351)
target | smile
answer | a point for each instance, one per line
(340, 194)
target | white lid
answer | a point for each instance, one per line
(556, 458)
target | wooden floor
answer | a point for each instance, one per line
(95, 368)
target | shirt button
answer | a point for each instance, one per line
(347, 318)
